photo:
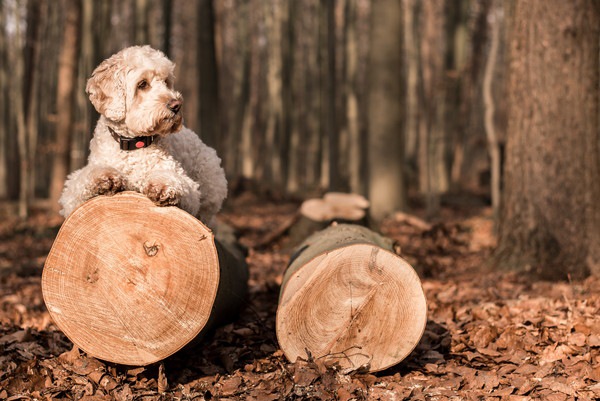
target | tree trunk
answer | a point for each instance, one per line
(141, 22)
(411, 43)
(17, 97)
(37, 15)
(489, 107)
(386, 179)
(432, 155)
(347, 298)
(287, 87)
(355, 150)
(167, 6)
(208, 74)
(323, 89)
(4, 115)
(550, 221)
(273, 132)
(136, 293)
(333, 139)
(87, 116)
(67, 77)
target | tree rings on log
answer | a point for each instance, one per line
(348, 299)
(132, 283)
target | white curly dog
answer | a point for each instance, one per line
(140, 143)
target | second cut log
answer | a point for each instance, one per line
(348, 298)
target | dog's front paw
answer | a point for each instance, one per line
(162, 194)
(108, 183)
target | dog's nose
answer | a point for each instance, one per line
(174, 105)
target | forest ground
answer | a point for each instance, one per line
(490, 335)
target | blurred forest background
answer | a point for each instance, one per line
(393, 99)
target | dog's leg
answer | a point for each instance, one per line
(106, 181)
(89, 182)
(166, 188)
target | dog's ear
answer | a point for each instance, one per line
(106, 88)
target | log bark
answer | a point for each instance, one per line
(132, 283)
(348, 298)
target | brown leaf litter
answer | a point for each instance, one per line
(490, 335)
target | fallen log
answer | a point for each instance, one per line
(317, 213)
(348, 298)
(132, 283)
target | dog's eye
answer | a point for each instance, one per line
(143, 84)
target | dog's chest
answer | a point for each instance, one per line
(138, 162)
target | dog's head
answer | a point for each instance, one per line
(134, 89)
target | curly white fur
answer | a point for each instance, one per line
(132, 91)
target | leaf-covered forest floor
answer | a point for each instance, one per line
(490, 335)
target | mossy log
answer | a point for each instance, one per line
(132, 283)
(348, 298)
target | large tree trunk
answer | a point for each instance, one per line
(67, 77)
(347, 298)
(386, 179)
(132, 283)
(551, 216)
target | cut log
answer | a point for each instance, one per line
(318, 213)
(132, 283)
(348, 298)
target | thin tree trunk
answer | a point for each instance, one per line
(467, 149)
(294, 111)
(412, 80)
(4, 115)
(208, 74)
(355, 159)
(433, 171)
(386, 178)
(334, 180)
(67, 77)
(274, 126)
(141, 22)
(323, 65)
(38, 18)
(287, 54)
(87, 115)
(167, 6)
(241, 91)
(17, 98)
(490, 130)
(313, 147)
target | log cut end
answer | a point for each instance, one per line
(129, 282)
(358, 305)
